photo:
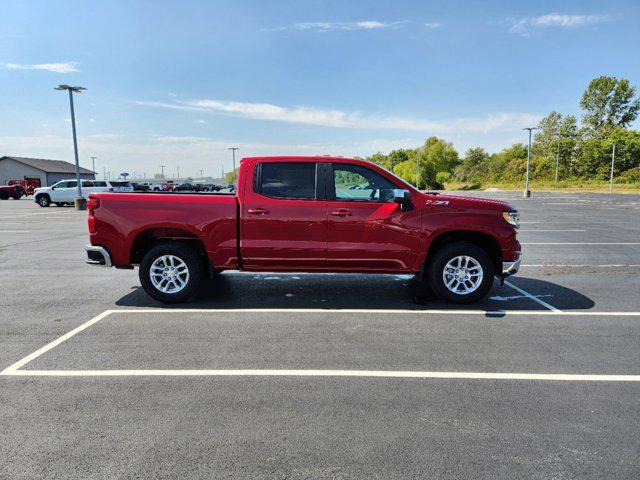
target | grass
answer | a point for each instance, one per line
(586, 186)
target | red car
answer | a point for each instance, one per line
(11, 191)
(309, 214)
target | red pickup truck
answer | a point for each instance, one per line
(310, 214)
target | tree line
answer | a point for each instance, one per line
(580, 151)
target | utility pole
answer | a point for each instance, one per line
(417, 169)
(178, 172)
(233, 153)
(613, 160)
(527, 192)
(80, 202)
(162, 169)
(201, 177)
(104, 172)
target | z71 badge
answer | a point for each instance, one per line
(437, 202)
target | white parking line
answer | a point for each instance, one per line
(563, 377)
(551, 230)
(581, 265)
(580, 243)
(532, 297)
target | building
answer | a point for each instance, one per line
(47, 171)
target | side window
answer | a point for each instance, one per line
(71, 184)
(359, 184)
(87, 183)
(287, 180)
(61, 185)
(100, 184)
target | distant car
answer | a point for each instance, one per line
(168, 187)
(140, 187)
(184, 187)
(210, 187)
(65, 191)
(11, 191)
(154, 187)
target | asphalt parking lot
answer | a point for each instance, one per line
(325, 376)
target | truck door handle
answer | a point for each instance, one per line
(258, 211)
(341, 213)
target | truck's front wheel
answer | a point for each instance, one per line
(171, 272)
(460, 273)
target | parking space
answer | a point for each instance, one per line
(375, 380)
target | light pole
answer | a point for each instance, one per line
(417, 170)
(233, 154)
(178, 172)
(527, 192)
(162, 169)
(80, 202)
(201, 175)
(93, 164)
(613, 160)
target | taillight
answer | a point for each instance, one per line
(91, 220)
(92, 204)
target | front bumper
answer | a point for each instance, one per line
(97, 255)
(511, 267)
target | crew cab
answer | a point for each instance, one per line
(64, 191)
(307, 214)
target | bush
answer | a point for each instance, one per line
(443, 177)
(630, 176)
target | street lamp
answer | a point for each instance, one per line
(93, 164)
(233, 153)
(527, 192)
(80, 202)
(162, 169)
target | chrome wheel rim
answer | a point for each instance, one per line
(169, 274)
(462, 275)
(43, 201)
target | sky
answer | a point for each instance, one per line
(176, 83)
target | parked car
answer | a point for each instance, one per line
(155, 187)
(63, 192)
(11, 191)
(140, 187)
(210, 187)
(294, 214)
(184, 187)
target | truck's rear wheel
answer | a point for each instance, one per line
(171, 272)
(460, 273)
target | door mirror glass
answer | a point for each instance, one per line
(403, 197)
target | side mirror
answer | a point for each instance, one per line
(403, 197)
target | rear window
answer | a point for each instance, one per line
(100, 184)
(288, 180)
(120, 184)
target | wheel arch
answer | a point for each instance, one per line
(148, 238)
(484, 240)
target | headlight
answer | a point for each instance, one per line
(512, 217)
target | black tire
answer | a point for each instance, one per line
(435, 273)
(43, 200)
(189, 256)
(60, 204)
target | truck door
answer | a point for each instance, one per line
(283, 218)
(367, 231)
(64, 192)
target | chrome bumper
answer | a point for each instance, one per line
(511, 268)
(98, 256)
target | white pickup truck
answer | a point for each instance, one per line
(63, 192)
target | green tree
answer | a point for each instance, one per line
(609, 103)
(474, 166)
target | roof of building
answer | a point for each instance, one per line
(49, 166)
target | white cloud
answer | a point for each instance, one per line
(68, 67)
(326, 26)
(522, 26)
(432, 25)
(340, 119)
